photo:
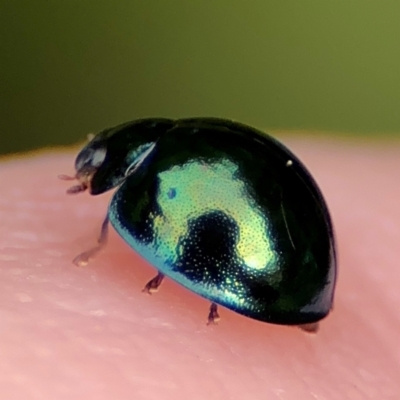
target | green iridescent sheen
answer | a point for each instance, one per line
(202, 187)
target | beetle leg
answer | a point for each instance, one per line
(310, 328)
(213, 316)
(153, 284)
(82, 259)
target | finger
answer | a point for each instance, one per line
(69, 332)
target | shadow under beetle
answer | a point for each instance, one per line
(221, 208)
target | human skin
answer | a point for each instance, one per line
(71, 332)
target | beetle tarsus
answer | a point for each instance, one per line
(83, 259)
(312, 327)
(77, 189)
(153, 284)
(213, 316)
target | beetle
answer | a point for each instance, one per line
(223, 209)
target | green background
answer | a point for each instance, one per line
(69, 67)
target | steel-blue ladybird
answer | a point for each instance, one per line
(221, 208)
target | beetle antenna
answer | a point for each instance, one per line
(66, 177)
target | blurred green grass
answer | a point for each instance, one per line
(69, 67)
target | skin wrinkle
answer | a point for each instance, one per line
(90, 332)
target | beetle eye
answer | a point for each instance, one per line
(90, 157)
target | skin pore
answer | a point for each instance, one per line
(72, 332)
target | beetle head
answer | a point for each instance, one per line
(114, 154)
